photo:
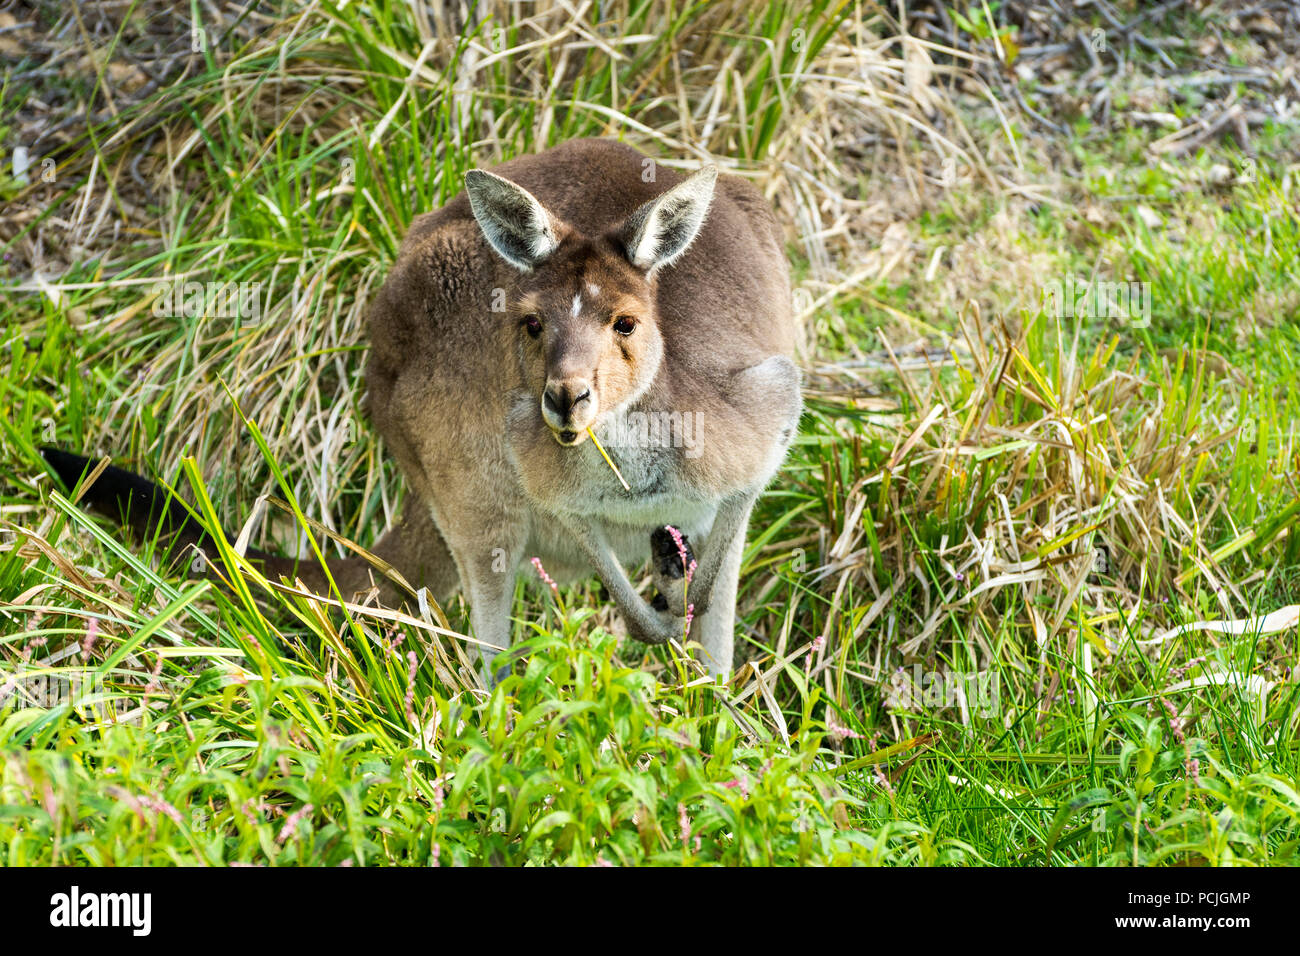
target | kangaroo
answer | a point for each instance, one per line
(562, 294)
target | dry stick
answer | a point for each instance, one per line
(613, 467)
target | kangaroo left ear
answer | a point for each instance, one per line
(661, 230)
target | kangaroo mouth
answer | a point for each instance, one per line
(567, 419)
(569, 437)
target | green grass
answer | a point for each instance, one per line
(151, 717)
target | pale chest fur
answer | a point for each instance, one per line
(577, 482)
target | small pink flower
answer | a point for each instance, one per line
(687, 566)
(159, 805)
(123, 796)
(684, 822)
(251, 809)
(1176, 673)
(838, 731)
(92, 636)
(154, 686)
(1175, 722)
(877, 770)
(541, 573)
(291, 824)
(410, 686)
(741, 784)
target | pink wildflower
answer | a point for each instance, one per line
(687, 566)
(291, 824)
(123, 796)
(154, 686)
(838, 731)
(1175, 722)
(541, 573)
(159, 805)
(250, 809)
(410, 686)
(741, 784)
(92, 636)
(878, 771)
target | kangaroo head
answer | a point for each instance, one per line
(584, 306)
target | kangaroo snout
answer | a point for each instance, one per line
(569, 406)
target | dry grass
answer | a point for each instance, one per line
(865, 118)
(963, 460)
(852, 142)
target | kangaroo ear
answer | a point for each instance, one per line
(514, 223)
(661, 230)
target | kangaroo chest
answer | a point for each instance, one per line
(658, 491)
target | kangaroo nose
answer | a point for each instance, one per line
(562, 397)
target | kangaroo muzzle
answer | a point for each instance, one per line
(569, 407)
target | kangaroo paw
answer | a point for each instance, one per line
(668, 570)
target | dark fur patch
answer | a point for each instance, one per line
(142, 505)
(663, 551)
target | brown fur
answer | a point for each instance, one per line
(666, 300)
(455, 388)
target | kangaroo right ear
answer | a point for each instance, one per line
(514, 223)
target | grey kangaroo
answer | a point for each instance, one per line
(579, 288)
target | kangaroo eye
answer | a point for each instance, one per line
(624, 325)
(533, 325)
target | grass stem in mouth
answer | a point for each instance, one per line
(613, 467)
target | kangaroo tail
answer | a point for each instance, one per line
(150, 510)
